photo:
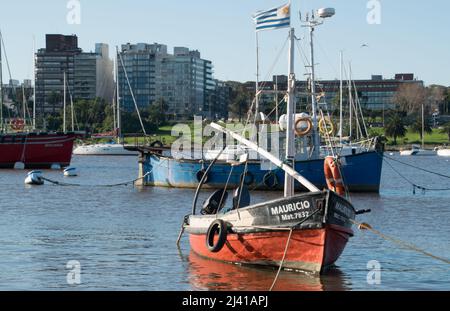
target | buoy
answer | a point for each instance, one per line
(34, 178)
(55, 167)
(19, 166)
(70, 172)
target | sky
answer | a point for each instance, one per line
(412, 36)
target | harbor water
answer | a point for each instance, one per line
(124, 237)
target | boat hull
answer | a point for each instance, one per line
(40, 151)
(103, 150)
(315, 244)
(443, 152)
(309, 250)
(361, 172)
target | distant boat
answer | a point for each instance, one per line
(417, 151)
(20, 148)
(443, 152)
(111, 149)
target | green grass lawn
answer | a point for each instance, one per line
(436, 138)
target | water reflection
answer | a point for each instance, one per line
(212, 275)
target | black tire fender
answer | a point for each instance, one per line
(220, 227)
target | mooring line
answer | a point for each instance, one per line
(63, 184)
(415, 186)
(282, 260)
(418, 168)
(364, 226)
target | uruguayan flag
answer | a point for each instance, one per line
(275, 18)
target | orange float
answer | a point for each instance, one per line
(333, 176)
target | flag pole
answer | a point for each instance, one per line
(257, 76)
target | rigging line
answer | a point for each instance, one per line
(412, 183)
(363, 226)
(132, 94)
(358, 105)
(277, 59)
(416, 167)
(6, 58)
(326, 57)
(291, 230)
(302, 54)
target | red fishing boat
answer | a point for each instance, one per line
(307, 232)
(26, 148)
(36, 150)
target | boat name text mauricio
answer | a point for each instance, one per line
(289, 208)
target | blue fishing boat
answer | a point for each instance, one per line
(360, 162)
(360, 171)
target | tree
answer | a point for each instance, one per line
(240, 100)
(417, 127)
(436, 97)
(410, 98)
(395, 127)
(157, 112)
(446, 130)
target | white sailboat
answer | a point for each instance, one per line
(417, 150)
(114, 148)
(443, 152)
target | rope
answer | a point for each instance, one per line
(282, 260)
(287, 244)
(415, 186)
(63, 184)
(412, 247)
(418, 168)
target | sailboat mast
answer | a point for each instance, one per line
(290, 148)
(341, 98)
(423, 127)
(64, 104)
(350, 99)
(72, 111)
(34, 88)
(119, 125)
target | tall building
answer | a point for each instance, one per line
(89, 75)
(183, 79)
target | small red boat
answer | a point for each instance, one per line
(36, 150)
(261, 234)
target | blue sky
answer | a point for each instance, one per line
(412, 36)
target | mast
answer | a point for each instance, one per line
(64, 104)
(34, 88)
(350, 99)
(423, 127)
(316, 138)
(290, 149)
(119, 125)
(72, 111)
(24, 102)
(312, 23)
(257, 78)
(341, 99)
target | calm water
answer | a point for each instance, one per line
(124, 238)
